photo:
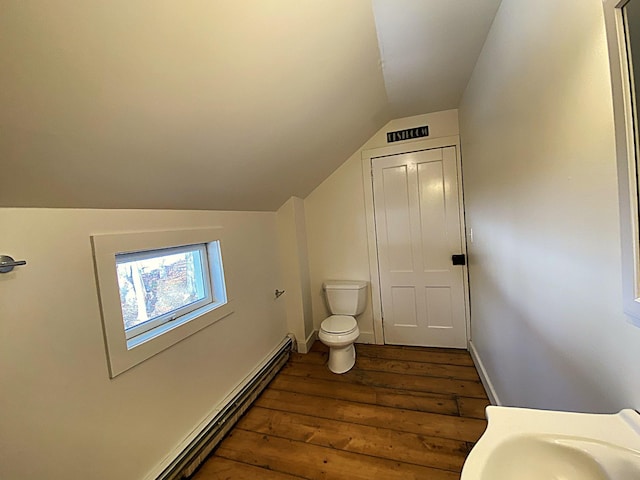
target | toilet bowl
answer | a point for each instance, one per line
(339, 331)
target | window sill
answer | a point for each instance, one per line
(170, 326)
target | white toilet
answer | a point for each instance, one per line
(338, 332)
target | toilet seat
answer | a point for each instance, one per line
(339, 325)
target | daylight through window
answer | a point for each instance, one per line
(159, 286)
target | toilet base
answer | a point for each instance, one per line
(342, 359)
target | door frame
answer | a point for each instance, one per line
(367, 176)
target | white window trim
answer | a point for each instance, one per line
(123, 355)
(626, 132)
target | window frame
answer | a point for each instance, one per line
(124, 353)
(626, 136)
(175, 314)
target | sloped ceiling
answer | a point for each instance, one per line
(223, 105)
(429, 49)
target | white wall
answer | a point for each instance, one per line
(336, 221)
(61, 416)
(541, 197)
(294, 261)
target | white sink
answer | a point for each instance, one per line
(525, 444)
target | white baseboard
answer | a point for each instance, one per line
(366, 337)
(484, 376)
(305, 347)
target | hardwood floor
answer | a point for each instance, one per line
(400, 413)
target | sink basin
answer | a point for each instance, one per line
(526, 444)
(530, 457)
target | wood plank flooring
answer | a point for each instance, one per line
(400, 413)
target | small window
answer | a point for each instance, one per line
(154, 297)
(159, 286)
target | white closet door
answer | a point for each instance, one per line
(418, 230)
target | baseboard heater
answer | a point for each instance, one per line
(197, 451)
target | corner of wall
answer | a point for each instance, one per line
(294, 267)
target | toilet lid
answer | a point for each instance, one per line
(339, 324)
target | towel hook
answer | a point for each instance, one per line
(7, 263)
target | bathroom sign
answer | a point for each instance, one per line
(408, 134)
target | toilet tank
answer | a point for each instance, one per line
(345, 297)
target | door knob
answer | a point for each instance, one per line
(459, 259)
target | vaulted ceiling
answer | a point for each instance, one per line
(228, 104)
